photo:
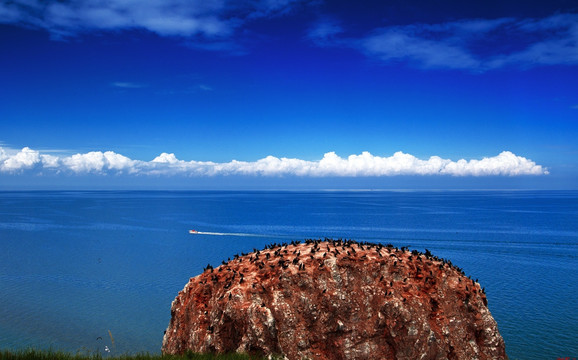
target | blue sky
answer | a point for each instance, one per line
(288, 94)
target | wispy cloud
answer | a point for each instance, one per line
(183, 18)
(399, 44)
(166, 18)
(205, 87)
(128, 85)
(472, 44)
(325, 31)
(364, 164)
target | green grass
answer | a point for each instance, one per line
(58, 355)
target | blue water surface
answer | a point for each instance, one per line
(76, 265)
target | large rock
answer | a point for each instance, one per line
(335, 300)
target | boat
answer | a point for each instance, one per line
(193, 232)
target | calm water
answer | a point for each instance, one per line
(75, 265)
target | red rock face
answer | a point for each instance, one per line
(335, 300)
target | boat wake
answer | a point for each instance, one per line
(194, 232)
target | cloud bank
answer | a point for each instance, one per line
(28, 161)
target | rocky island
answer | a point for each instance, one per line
(335, 299)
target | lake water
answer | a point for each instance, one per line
(76, 265)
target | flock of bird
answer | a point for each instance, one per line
(283, 255)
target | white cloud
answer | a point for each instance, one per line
(99, 162)
(364, 164)
(165, 158)
(505, 164)
(24, 159)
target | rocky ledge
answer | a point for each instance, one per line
(334, 299)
